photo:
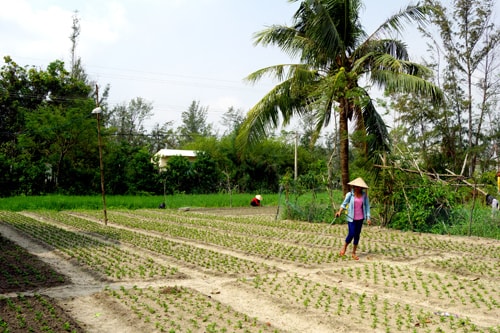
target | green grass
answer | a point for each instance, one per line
(64, 202)
(216, 200)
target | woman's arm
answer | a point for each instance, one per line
(344, 204)
(367, 210)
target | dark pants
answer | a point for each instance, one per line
(354, 231)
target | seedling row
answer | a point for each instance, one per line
(20, 271)
(105, 258)
(306, 243)
(476, 291)
(181, 309)
(207, 259)
(287, 230)
(341, 305)
(34, 314)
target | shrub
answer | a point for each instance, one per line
(420, 207)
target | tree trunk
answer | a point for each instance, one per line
(344, 144)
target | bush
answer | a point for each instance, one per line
(421, 207)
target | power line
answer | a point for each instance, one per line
(158, 77)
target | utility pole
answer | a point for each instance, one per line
(295, 160)
(98, 112)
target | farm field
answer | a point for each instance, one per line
(237, 270)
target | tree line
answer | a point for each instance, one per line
(49, 142)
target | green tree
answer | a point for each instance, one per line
(232, 120)
(194, 123)
(59, 131)
(129, 120)
(334, 54)
(207, 176)
(261, 166)
(469, 42)
(14, 84)
(163, 137)
(117, 156)
(140, 174)
(421, 133)
(178, 175)
(15, 99)
(308, 134)
(55, 136)
(46, 114)
(223, 152)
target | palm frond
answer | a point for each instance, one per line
(388, 63)
(392, 47)
(282, 36)
(394, 82)
(332, 26)
(376, 129)
(322, 104)
(278, 72)
(412, 14)
(281, 104)
(369, 121)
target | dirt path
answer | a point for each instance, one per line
(83, 298)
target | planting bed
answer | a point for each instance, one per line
(237, 270)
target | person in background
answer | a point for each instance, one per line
(489, 199)
(255, 202)
(358, 210)
(494, 206)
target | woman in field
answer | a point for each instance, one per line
(256, 201)
(358, 210)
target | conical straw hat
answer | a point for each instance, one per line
(359, 182)
(259, 197)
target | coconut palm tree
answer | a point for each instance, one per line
(334, 54)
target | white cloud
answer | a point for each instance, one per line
(39, 33)
(42, 32)
(105, 25)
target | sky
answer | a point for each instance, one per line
(168, 52)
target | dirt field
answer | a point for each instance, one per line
(238, 270)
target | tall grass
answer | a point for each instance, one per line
(64, 202)
(483, 223)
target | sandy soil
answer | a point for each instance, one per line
(85, 300)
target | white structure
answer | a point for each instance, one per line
(163, 155)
